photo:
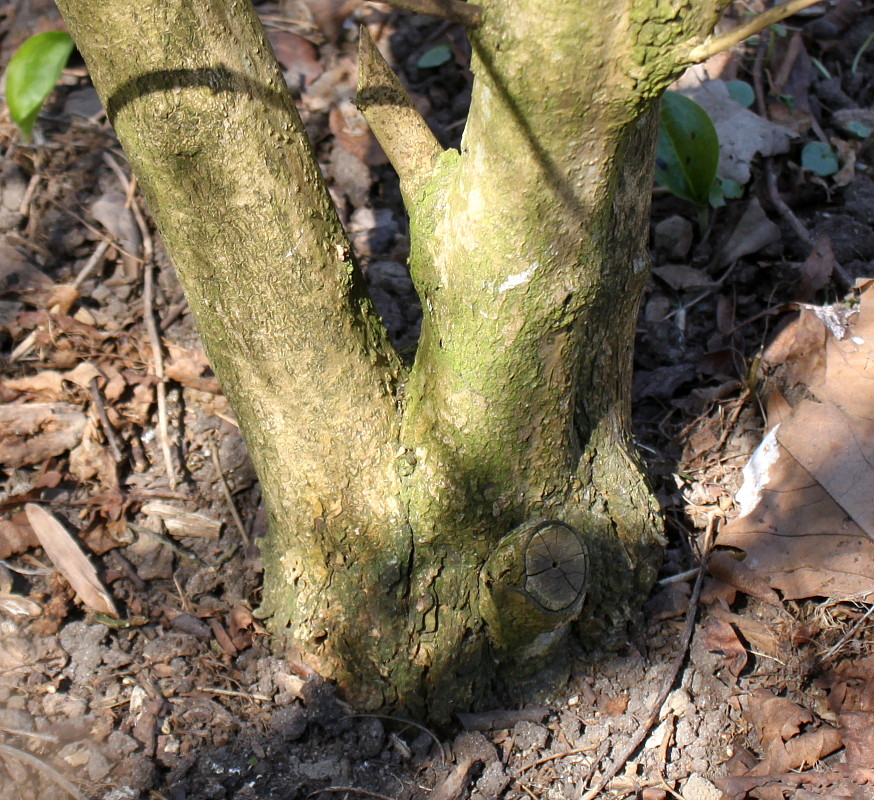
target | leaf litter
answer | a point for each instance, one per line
(180, 696)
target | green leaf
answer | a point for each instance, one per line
(859, 129)
(731, 189)
(688, 149)
(435, 56)
(717, 195)
(819, 158)
(31, 75)
(741, 92)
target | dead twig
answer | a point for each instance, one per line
(149, 318)
(555, 756)
(832, 651)
(43, 766)
(233, 693)
(670, 678)
(95, 261)
(108, 432)
(158, 360)
(226, 490)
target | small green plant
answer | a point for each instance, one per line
(32, 73)
(741, 92)
(819, 158)
(687, 155)
(434, 57)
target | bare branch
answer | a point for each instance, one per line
(717, 44)
(401, 130)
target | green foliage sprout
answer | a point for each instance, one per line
(687, 153)
(32, 73)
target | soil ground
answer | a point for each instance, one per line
(185, 700)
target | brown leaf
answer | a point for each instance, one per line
(47, 385)
(838, 451)
(717, 636)
(753, 232)
(354, 135)
(817, 268)
(116, 384)
(715, 591)
(727, 569)
(222, 638)
(187, 367)
(33, 432)
(761, 636)
(181, 522)
(613, 706)
(779, 722)
(15, 537)
(298, 57)
(793, 532)
(857, 733)
(802, 751)
(850, 685)
(242, 625)
(777, 409)
(91, 459)
(111, 211)
(807, 512)
(669, 602)
(69, 559)
(82, 374)
(801, 347)
(61, 298)
(775, 718)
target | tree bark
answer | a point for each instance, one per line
(426, 524)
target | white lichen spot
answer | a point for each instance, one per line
(756, 473)
(639, 264)
(518, 279)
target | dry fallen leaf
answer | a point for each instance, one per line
(794, 534)
(47, 385)
(779, 723)
(717, 636)
(838, 456)
(186, 366)
(15, 537)
(69, 560)
(807, 511)
(82, 374)
(15, 605)
(722, 566)
(817, 268)
(753, 232)
(34, 432)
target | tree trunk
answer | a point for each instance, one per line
(426, 525)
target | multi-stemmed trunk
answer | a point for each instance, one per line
(433, 529)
